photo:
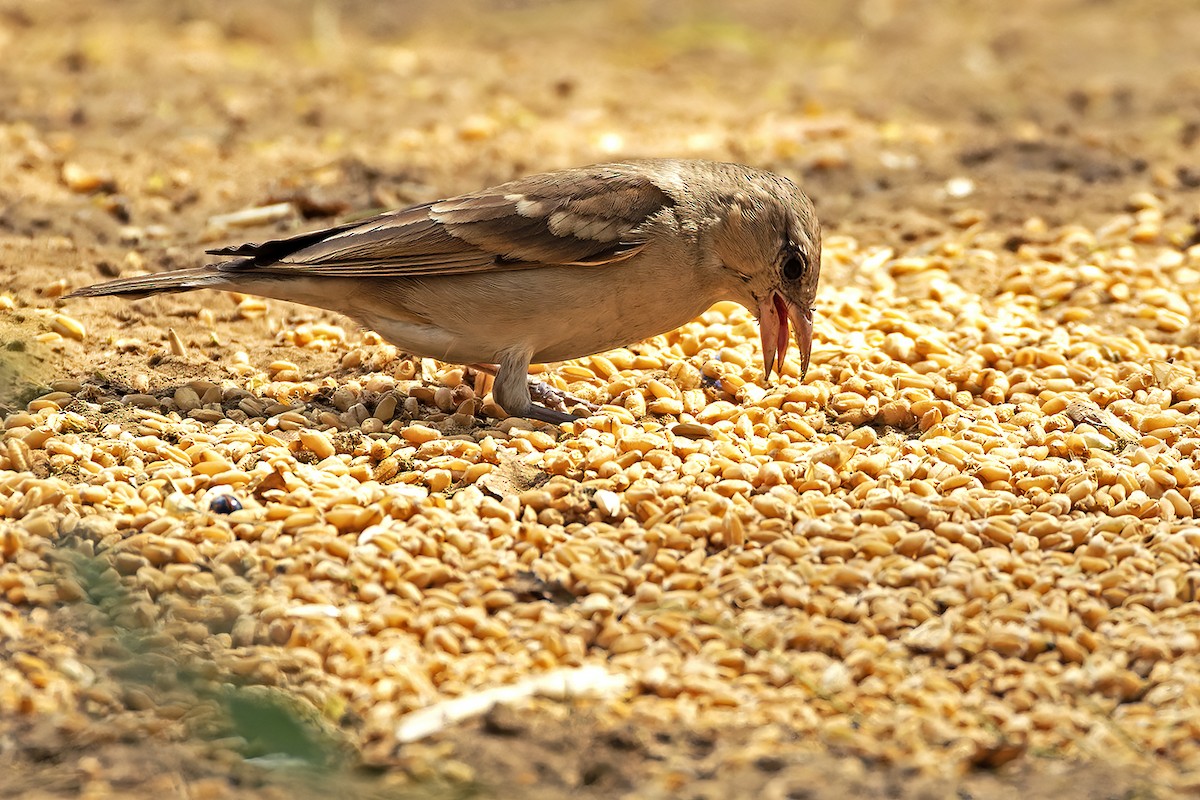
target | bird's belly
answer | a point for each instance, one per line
(574, 336)
(433, 341)
(557, 313)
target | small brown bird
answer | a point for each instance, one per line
(547, 268)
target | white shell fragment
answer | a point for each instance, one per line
(562, 684)
(249, 217)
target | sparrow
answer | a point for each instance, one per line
(547, 268)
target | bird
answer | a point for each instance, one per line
(547, 268)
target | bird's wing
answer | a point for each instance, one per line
(587, 216)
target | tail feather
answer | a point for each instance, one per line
(184, 280)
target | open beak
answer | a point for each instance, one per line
(774, 316)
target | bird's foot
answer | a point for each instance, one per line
(543, 414)
(549, 404)
(553, 399)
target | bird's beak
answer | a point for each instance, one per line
(802, 319)
(774, 316)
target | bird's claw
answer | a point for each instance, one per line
(543, 414)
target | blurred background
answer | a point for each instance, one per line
(866, 100)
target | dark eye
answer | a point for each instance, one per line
(793, 268)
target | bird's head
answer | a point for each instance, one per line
(771, 240)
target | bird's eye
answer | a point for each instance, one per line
(794, 267)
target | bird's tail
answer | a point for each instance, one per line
(183, 280)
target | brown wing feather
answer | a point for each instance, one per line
(592, 215)
(587, 216)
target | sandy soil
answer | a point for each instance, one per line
(127, 127)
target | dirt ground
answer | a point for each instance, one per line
(128, 128)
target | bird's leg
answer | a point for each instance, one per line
(515, 391)
(541, 392)
(511, 390)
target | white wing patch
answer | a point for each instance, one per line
(531, 209)
(598, 229)
(565, 222)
